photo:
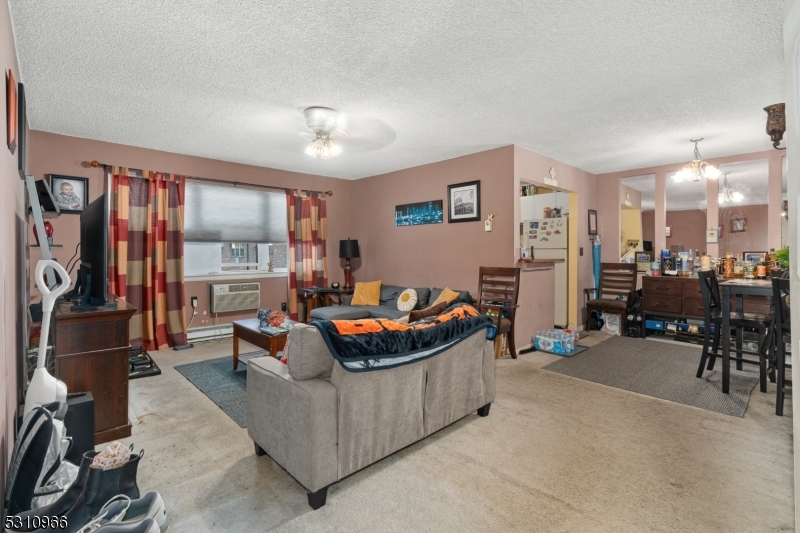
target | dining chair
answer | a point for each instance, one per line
(739, 322)
(783, 335)
(498, 290)
(617, 282)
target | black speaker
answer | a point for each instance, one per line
(79, 424)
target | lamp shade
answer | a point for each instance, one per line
(348, 249)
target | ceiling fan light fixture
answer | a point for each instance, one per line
(323, 147)
(697, 169)
(323, 121)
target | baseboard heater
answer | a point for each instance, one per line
(207, 333)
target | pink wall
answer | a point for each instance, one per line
(753, 239)
(686, 228)
(59, 154)
(531, 166)
(608, 210)
(13, 292)
(435, 255)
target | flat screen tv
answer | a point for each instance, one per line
(93, 276)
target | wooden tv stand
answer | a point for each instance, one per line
(91, 351)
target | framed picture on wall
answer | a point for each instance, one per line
(669, 231)
(738, 225)
(70, 192)
(755, 257)
(712, 236)
(22, 130)
(592, 222)
(464, 202)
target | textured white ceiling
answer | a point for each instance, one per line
(751, 176)
(603, 86)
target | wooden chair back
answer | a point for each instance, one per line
(782, 304)
(617, 279)
(709, 288)
(498, 286)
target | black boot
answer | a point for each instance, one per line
(64, 503)
(128, 485)
(100, 486)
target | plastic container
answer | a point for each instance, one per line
(555, 341)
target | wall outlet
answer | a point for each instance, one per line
(487, 225)
(194, 301)
(284, 307)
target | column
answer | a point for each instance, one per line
(661, 213)
(712, 213)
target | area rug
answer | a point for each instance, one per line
(225, 387)
(661, 370)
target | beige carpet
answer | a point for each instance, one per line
(556, 454)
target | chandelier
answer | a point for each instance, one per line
(697, 169)
(728, 194)
(323, 146)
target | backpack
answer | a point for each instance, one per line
(38, 453)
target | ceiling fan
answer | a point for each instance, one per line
(330, 127)
(324, 121)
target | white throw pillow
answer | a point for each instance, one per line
(407, 300)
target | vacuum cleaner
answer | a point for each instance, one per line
(44, 388)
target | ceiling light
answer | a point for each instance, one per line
(776, 123)
(323, 146)
(323, 121)
(697, 169)
(729, 194)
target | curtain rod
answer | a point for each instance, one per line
(95, 164)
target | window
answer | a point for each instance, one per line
(231, 231)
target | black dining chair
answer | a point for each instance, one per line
(783, 335)
(739, 322)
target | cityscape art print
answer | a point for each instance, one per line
(419, 213)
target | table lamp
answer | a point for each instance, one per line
(347, 250)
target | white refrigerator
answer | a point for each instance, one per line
(548, 237)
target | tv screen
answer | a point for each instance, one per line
(94, 250)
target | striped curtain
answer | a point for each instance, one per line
(146, 263)
(308, 234)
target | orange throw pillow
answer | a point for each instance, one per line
(446, 296)
(367, 293)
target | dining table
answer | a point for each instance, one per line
(736, 288)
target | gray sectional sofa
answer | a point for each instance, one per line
(387, 307)
(322, 423)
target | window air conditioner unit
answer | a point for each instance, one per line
(235, 297)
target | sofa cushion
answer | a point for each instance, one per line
(308, 355)
(340, 312)
(463, 296)
(390, 293)
(423, 297)
(382, 311)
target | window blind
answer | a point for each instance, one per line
(214, 213)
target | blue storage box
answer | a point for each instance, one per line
(655, 324)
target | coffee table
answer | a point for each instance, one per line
(248, 331)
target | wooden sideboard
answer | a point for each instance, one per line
(91, 354)
(681, 297)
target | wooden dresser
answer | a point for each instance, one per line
(91, 354)
(681, 297)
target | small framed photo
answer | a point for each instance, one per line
(464, 202)
(712, 236)
(755, 257)
(738, 225)
(669, 231)
(70, 192)
(592, 222)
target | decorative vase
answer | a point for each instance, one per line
(48, 229)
